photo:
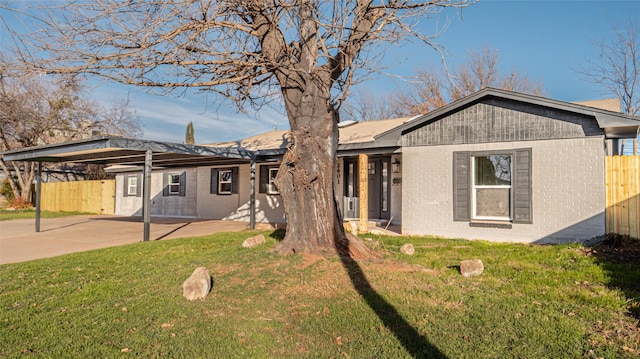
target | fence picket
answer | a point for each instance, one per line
(82, 196)
(622, 180)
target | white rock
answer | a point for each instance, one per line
(254, 241)
(198, 285)
(407, 249)
(471, 267)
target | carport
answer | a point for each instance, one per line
(107, 150)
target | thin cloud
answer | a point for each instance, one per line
(172, 116)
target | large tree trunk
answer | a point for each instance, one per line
(305, 180)
(26, 178)
(25, 173)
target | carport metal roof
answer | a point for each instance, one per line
(134, 152)
(128, 151)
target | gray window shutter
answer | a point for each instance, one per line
(214, 181)
(461, 186)
(235, 179)
(139, 185)
(264, 179)
(523, 208)
(165, 184)
(183, 184)
(125, 189)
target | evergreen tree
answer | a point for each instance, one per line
(189, 138)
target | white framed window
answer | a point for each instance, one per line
(225, 181)
(174, 184)
(132, 186)
(492, 195)
(271, 186)
(268, 174)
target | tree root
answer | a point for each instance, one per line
(358, 250)
(350, 246)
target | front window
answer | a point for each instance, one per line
(132, 186)
(492, 187)
(225, 178)
(271, 188)
(174, 184)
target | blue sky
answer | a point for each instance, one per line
(548, 40)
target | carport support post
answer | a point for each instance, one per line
(38, 189)
(252, 195)
(146, 195)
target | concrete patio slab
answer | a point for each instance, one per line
(19, 242)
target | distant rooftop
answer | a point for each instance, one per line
(609, 104)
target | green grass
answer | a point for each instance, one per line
(31, 213)
(531, 302)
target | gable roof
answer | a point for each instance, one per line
(614, 124)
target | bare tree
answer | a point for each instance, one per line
(364, 105)
(36, 110)
(305, 53)
(617, 66)
(432, 89)
(425, 94)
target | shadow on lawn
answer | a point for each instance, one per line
(417, 345)
(620, 257)
(413, 342)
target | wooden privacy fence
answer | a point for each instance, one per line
(623, 195)
(82, 196)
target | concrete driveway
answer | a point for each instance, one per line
(19, 242)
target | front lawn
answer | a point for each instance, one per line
(531, 302)
(31, 214)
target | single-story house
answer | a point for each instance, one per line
(506, 166)
(223, 191)
(495, 165)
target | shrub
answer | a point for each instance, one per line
(19, 203)
(6, 191)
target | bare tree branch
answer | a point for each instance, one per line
(37, 110)
(617, 67)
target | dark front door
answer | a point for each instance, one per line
(379, 176)
(379, 188)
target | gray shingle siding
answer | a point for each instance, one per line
(500, 120)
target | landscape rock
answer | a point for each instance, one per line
(354, 228)
(471, 267)
(407, 249)
(254, 241)
(198, 285)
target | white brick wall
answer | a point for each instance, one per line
(568, 191)
(235, 207)
(169, 206)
